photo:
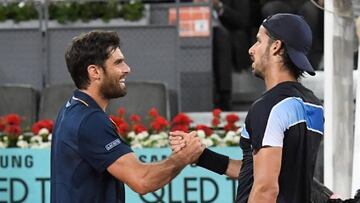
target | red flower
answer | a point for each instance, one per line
(184, 128)
(215, 122)
(135, 118)
(121, 112)
(48, 124)
(205, 128)
(121, 125)
(153, 113)
(232, 118)
(13, 130)
(123, 128)
(2, 124)
(118, 121)
(159, 124)
(216, 113)
(35, 129)
(181, 122)
(230, 127)
(138, 128)
(13, 119)
(181, 119)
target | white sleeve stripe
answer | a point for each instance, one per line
(300, 121)
(317, 131)
(274, 134)
(310, 104)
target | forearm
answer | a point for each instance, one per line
(263, 194)
(147, 177)
(233, 169)
(267, 165)
(156, 175)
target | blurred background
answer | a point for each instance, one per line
(186, 56)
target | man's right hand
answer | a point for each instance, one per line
(177, 140)
(188, 145)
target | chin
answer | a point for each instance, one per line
(258, 75)
(123, 94)
(115, 94)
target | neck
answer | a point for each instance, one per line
(277, 76)
(100, 100)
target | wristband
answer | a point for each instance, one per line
(213, 161)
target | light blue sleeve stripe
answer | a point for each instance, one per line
(244, 133)
(290, 112)
(294, 110)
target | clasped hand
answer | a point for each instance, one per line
(188, 143)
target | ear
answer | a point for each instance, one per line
(277, 47)
(94, 72)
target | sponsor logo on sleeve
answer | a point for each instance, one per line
(112, 144)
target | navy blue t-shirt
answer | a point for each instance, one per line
(85, 142)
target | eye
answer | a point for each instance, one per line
(119, 61)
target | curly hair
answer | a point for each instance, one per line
(86, 49)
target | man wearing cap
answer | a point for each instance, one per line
(284, 127)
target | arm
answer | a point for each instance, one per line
(177, 142)
(267, 164)
(233, 169)
(147, 177)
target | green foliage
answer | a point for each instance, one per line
(3, 13)
(18, 12)
(110, 11)
(70, 11)
(133, 11)
(65, 12)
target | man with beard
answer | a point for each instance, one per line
(283, 128)
(89, 160)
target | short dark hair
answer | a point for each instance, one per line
(86, 49)
(298, 73)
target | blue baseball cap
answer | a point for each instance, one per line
(296, 35)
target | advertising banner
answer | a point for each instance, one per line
(25, 178)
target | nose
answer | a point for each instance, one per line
(127, 68)
(251, 50)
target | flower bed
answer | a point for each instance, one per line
(139, 135)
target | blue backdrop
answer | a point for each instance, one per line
(25, 178)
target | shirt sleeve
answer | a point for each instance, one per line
(275, 128)
(256, 123)
(99, 142)
(283, 115)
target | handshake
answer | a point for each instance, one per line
(189, 149)
(187, 146)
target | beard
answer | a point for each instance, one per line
(257, 70)
(258, 74)
(111, 89)
(260, 70)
